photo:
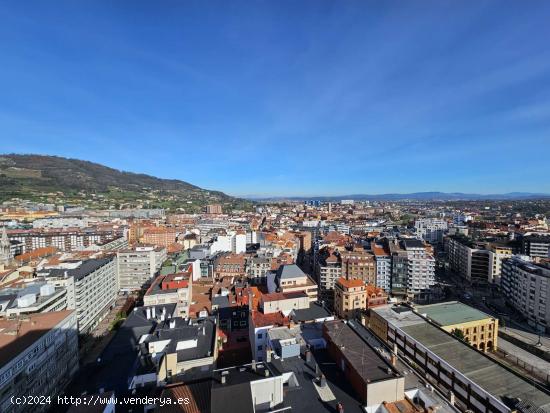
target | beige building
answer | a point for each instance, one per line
(350, 297)
(284, 302)
(480, 330)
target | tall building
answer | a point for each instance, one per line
(38, 357)
(359, 264)
(536, 246)
(350, 297)
(92, 288)
(328, 269)
(479, 263)
(138, 266)
(383, 266)
(413, 268)
(431, 229)
(526, 286)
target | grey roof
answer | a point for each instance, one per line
(313, 312)
(289, 271)
(412, 243)
(83, 269)
(185, 331)
(369, 364)
(489, 375)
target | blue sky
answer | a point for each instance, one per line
(285, 97)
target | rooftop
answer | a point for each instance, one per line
(18, 334)
(358, 353)
(451, 313)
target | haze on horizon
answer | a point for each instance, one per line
(284, 98)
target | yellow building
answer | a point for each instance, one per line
(480, 330)
(350, 296)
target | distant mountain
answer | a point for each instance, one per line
(415, 196)
(37, 177)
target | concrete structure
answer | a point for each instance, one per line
(536, 246)
(413, 268)
(359, 264)
(383, 266)
(431, 229)
(137, 267)
(92, 289)
(480, 330)
(526, 286)
(479, 263)
(38, 297)
(284, 302)
(472, 380)
(38, 357)
(64, 240)
(350, 297)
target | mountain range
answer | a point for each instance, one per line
(414, 196)
(52, 178)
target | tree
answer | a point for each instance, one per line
(460, 335)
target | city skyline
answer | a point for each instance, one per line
(263, 100)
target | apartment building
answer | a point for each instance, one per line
(230, 265)
(413, 268)
(350, 297)
(92, 288)
(383, 266)
(480, 330)
(328, 269)
(479, 263)
(38, 357)
(536, 246)
(137, 266)
(526, 286)
(359, 264)
(63, 240)
(290, 278)
(431, 229)
(159, 236)
(257, 268)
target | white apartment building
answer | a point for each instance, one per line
(526, 286)
(138, 266)
(234, 242)
(92, 288)
(421, 267)
(431, 229)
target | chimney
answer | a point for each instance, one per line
(223, 379)
(266, 373)
(148, 313)
(393, 359)
(323, 381)
(172, 323)
(308, 356)
(254, 365)
(153, 312)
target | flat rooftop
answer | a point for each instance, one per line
(19, 334)
(451, 313)
(489, 375)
